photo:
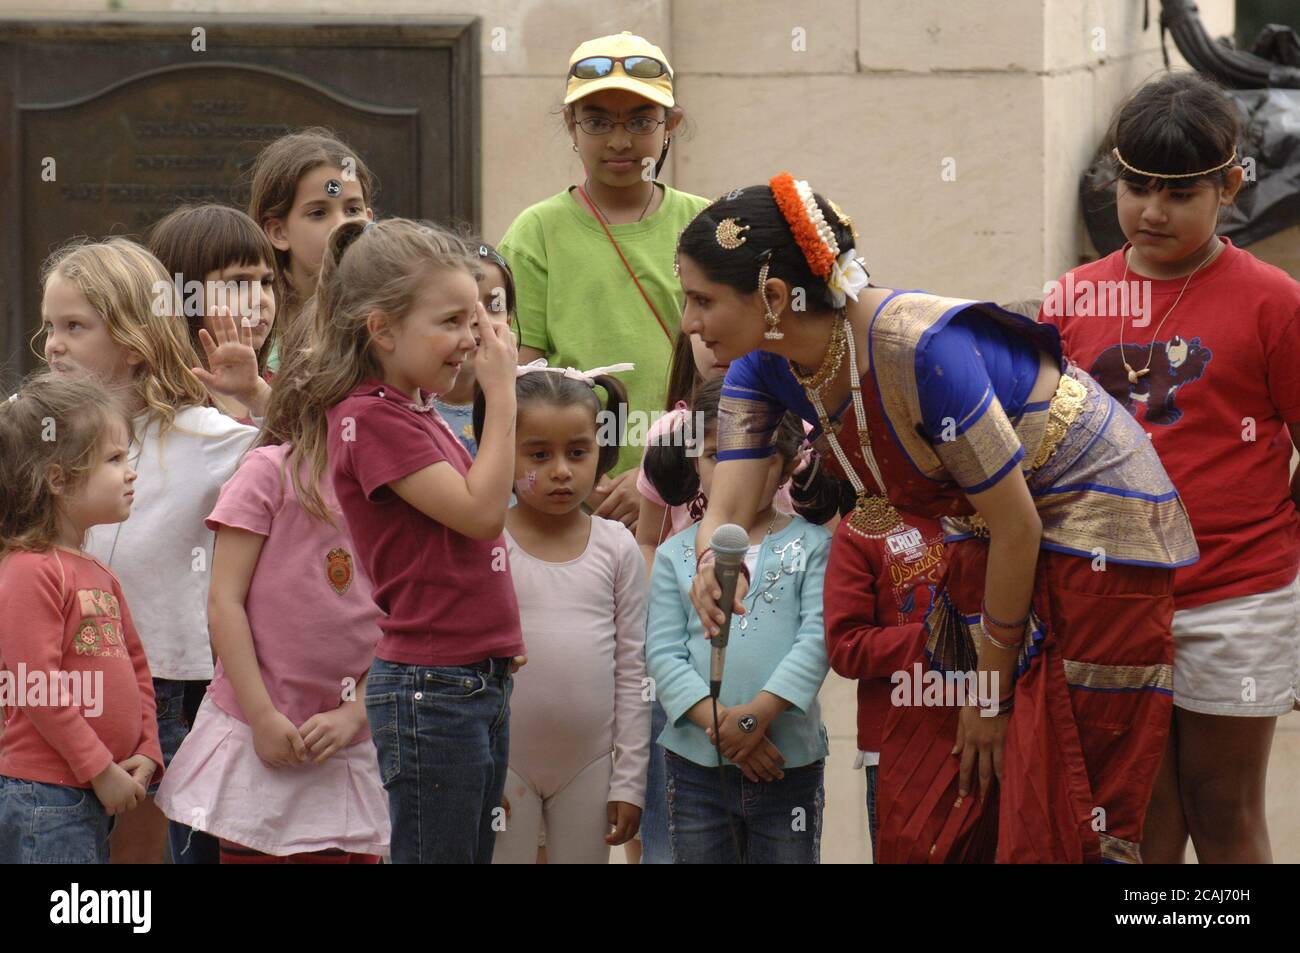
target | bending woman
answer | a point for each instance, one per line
(1063, 528)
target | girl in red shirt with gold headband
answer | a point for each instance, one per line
(1204, 357)
(959, 409)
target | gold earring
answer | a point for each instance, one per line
(773, 333)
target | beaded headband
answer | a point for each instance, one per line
(1181, 175)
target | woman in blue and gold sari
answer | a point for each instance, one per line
(1063, 529)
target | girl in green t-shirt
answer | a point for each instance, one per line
(593, 265)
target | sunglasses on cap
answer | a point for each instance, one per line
(642, 67)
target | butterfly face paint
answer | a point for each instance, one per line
(526, 486)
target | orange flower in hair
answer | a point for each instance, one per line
(819, 256)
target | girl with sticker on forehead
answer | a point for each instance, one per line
(959, 409)
(303, 186)
(594, 263)
(579, 720)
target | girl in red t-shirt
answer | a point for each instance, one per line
(1197, 339)
(79, 744)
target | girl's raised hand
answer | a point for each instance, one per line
(497, 355)
(277, 741)
(232, 361)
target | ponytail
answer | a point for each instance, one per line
(554, 389)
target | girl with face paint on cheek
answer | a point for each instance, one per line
(581, 589)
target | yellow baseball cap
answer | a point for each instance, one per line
(614, 74)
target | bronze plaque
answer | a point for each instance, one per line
(113, 125)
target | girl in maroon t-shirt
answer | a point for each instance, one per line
(396, 308)
(1198, 340)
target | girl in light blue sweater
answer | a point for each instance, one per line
(756, 796)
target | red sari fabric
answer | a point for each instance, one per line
(1085, 737)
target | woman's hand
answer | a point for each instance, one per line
(277, 741)
(979, 744)
(497, 356)
(625, 818)
(232, 362)
(705, 593)
(617, 499)
(327, 732)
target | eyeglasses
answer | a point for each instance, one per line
(637, 125)
(642, 67)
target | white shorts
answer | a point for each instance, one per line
(1241, 656)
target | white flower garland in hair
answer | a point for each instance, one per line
(824, 231)
(848, 274)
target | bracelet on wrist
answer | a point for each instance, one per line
(1012, 626)
(999, 643)
(699, 561)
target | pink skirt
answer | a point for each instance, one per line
(216, 783)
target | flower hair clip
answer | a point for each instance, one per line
(572, 373)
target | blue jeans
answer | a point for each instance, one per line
(777, 822)
(871, 770)
(443, 738)
(654, 820)
(51, 824)
(176, 704)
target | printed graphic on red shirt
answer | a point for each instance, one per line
(915, 565)
(100, 631)
(1161, 369)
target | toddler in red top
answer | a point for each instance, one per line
(79, 728)
(397, 313)
(877, 593)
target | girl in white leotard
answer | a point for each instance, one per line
(580, 712)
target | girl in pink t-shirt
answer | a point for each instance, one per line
(279, 764)
(579, 721)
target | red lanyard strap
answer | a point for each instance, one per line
(600, 218)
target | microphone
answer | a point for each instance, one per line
(729, 545)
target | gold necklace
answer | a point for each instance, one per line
(830, 366)
(873, 516)
(1134, 376)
